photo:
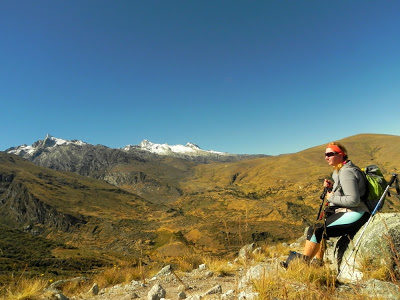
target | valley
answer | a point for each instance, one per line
(100, 205)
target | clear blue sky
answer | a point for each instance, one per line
(237, 76)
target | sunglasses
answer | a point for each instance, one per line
(329, 154)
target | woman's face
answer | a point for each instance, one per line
(333, 158)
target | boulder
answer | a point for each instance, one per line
(156, 293)
(381, 289)
(379, 243)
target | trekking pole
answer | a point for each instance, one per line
(373, 213)
(322, 197)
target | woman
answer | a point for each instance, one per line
(346, 212)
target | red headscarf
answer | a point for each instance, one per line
(335, 148)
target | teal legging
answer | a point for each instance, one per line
(337, 225)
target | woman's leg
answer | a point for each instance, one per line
(336, 225)
(311, 249)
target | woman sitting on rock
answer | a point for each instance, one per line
(346, 212)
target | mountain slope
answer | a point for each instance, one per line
(275, 197)
(72, 208)
(150, 170)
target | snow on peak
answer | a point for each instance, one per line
(48, 142)
(165, 149)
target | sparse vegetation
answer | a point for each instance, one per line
(23, 289)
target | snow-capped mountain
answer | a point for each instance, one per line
(148, 169)
(47, 143)
(61, 147)
(189, 149)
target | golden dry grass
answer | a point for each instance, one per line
(300, 281)
(220, 267)
(24, 289)
(120, 274)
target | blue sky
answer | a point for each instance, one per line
(237, 76)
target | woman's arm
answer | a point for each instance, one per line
(350, 196)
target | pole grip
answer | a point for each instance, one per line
(322, 197)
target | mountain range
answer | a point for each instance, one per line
(131, 200)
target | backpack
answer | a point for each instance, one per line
(375, 187)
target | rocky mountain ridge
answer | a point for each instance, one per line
(149, 170)
(189, 151)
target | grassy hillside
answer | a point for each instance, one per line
(100, 221)
(273, 197)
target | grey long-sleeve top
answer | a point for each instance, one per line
(352, 187)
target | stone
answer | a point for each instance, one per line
(202, 267)
(94, 290)
(229, 295)
(181, 295)
(248, 296)
(255, 272)
(258, 250)
(245, 251)
(164, 271)
(156, 292)
(194, 297)
(208, 274)
(214, 290)
(61, 296)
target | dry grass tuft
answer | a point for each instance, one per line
(120, 274)
(25, 289)
(221, 267)
(375, 268)
(275, 251)
(188, 262)
(300, 281)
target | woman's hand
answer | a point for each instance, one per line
(328, 183)
(329, 194)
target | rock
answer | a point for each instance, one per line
(214, 290)
(94, 290)
(381, 289)
(195, 297)
(244, 252)
(59, 283)
(156, 293)
(382, 231)
(60, 296)
(229, 295)
(248, 296)
(182, 295)
(258, 250)
(208, 274)
(164, 271)
(202, 267)
(255, 272)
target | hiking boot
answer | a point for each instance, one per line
(292, 256)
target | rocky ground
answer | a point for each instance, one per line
(202, 283)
